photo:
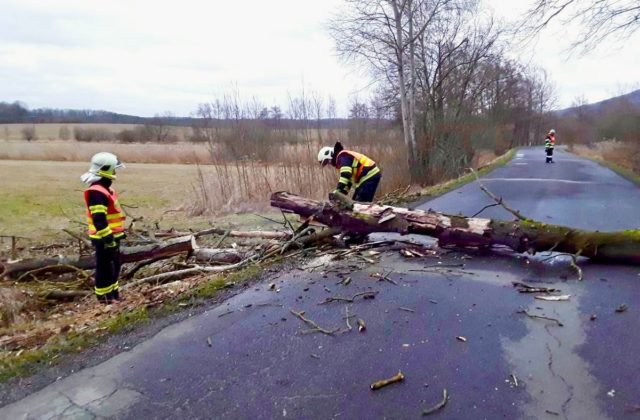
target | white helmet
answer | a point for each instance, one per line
(325, 155)
(552, 131)
(103, 165)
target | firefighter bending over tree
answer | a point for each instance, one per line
(355, 169)
(549, 143)
(106, 224)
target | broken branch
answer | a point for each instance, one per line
(381, 384)
(316, 327)
(365, 295)
(440, 405)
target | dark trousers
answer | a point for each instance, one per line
(367, 190)
(549, 154)
(107, 271)
(364, 194)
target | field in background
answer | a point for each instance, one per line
(74, 151)
(41, 198)
(52, 131)
(623, 155)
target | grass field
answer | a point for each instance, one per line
(41, 198)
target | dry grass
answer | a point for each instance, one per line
(52, 131)
(620, 154)
(72, 151)
(241, 186)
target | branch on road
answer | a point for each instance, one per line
(439, 406)
(316, 327)
(499, 201)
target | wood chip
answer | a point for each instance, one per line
(557, 298)
(361, 325)
(461, 338)
(622, 308)
(381, 384)
(406, 309)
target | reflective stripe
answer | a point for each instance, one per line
(100, 291)
(345, 181)
(100, 234)
(115, 286)
(106, 174)
(368, 176)
(360, 162)
(98, 208)
(115, 215)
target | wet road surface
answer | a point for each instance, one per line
(251, 358)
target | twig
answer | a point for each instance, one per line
(225, 313)
(49, 267)
(515, 380)
(346, 312)
(129, 275)
(498, 200)
(524, 311)
(574, 264)
(439, 406)
(525, 288)
(366, 295)
(381, 384)
(316, 327)
(294, 240)
(385, 277)
(226, 234)
(485, 207)
(406, 309)
(78, 237)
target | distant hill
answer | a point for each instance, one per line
(17, 112)
(632, 98)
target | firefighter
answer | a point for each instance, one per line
(549, 143)
(355, 169)
(106, 224)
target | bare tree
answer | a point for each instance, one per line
(599, 19)
(159, 128)
(382, 34)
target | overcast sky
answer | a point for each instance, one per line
(145, 57)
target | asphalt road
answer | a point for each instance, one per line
(250, 357)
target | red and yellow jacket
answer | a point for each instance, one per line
(355, 168)
(104, 214)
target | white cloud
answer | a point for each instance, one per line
(144, 57)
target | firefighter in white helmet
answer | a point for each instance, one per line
(355, 170)
(106, 223)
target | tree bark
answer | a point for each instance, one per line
(63, 264)
(520, 235)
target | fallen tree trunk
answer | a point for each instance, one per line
(62, 264)
(520, 235)
(218, 255)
